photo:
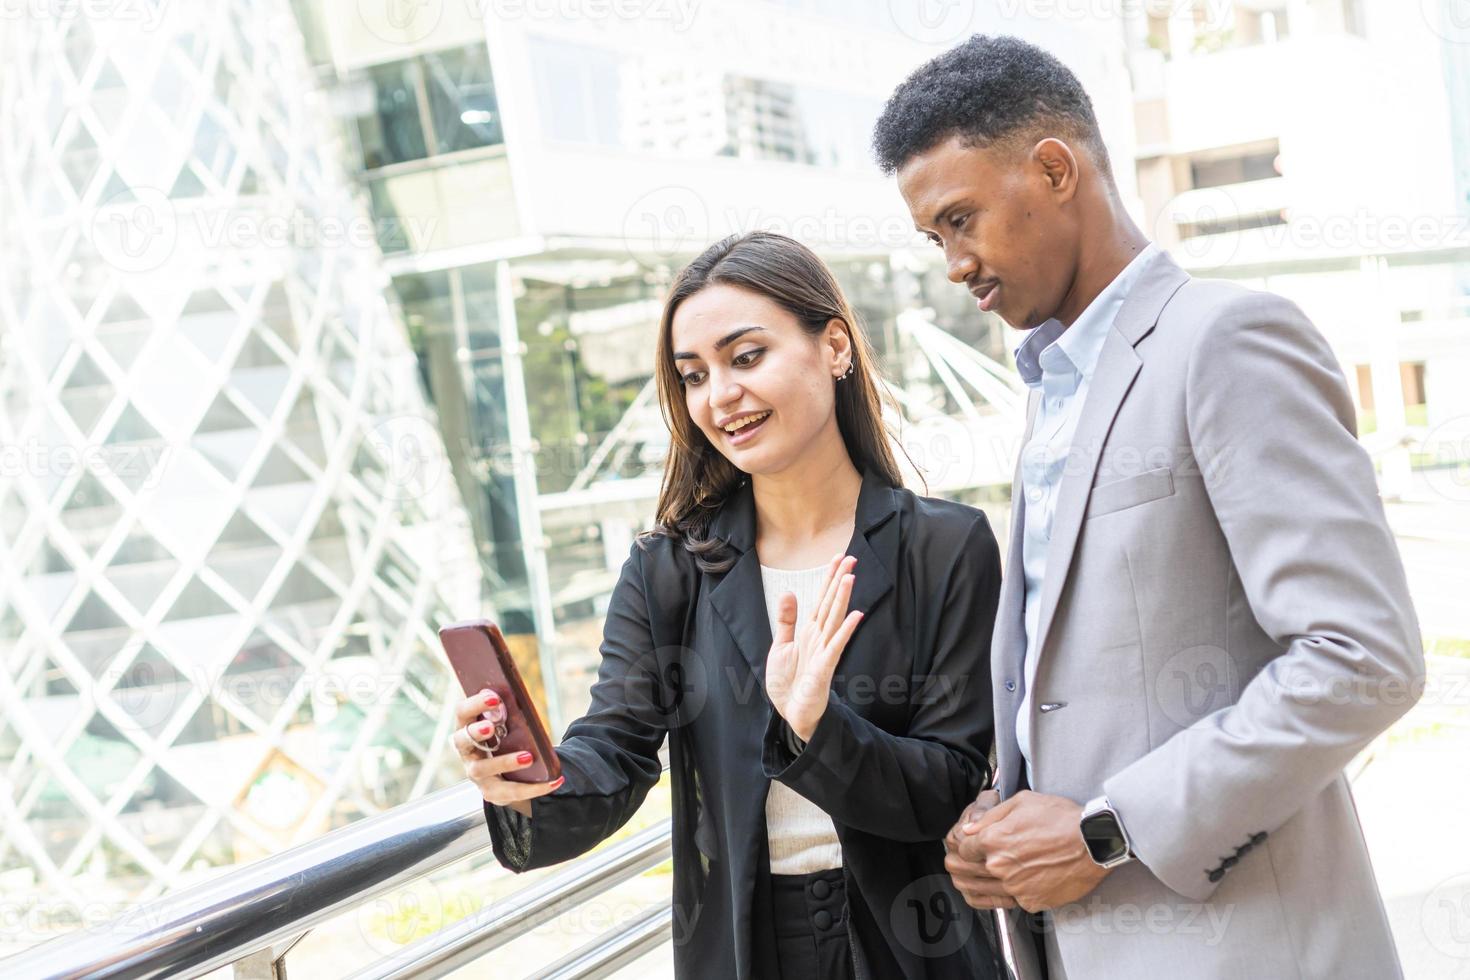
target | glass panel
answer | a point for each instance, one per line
(57, 822)
(461, 99)
(101, 757)
(161, 813)
(390, 129)
(392, 229)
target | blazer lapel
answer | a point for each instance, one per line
(1118, 364)
(1010, 633)
(739, 597)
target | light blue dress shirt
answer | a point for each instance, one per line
(1058, 362)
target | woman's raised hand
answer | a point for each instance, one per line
(484, 769)
(804, 655)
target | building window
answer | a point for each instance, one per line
(461, 94)
(392, 132)
(1236, 166)
(432, 103)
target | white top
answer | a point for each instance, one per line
(801, 834)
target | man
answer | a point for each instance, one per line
(1204, 616)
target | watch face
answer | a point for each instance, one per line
(1104, 837)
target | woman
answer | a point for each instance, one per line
(828, 720)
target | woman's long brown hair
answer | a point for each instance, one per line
(697, 477)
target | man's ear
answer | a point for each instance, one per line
(1059, 166)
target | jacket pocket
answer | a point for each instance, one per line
(1130, 491)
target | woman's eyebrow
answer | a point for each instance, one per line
(720, 344)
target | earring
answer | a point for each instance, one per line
(847, 374)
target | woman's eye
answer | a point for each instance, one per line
(748, 357)
(692, 378)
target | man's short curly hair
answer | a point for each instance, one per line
(986, 91)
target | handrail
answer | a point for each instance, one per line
(614, 949)
(245, 910)
(468, 939)
(270, 903)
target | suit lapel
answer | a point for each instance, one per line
(739, 597)
(1010, 638)
(1117, 365)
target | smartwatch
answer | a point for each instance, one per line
(1103, 833)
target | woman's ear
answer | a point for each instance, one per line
(840, 341)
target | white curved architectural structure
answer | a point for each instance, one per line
(227, 525)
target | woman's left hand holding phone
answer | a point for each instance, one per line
(483, 768)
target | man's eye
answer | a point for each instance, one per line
(958, 223)
(934, 240)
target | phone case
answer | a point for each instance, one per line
(478, 653)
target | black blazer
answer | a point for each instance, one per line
(900, 751)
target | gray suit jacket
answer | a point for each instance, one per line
(1225, 623)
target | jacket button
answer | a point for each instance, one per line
(1010, 685)
(822, 919)
(820, 889)
(1217, 874)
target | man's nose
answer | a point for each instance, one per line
(961, 267)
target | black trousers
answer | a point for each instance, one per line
(811, 925)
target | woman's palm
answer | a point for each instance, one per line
(806, 647)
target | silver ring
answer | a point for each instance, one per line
(475, 743)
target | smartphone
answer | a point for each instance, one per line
(477, 652)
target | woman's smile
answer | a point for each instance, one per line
(749, 430)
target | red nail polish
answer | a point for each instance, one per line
(524, 758)
(492, 699)
(485, 728)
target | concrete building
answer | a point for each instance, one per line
(1318, 148)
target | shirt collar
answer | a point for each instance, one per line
(1082, 344)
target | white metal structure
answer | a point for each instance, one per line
(227, 528)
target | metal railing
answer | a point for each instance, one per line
(244, 916)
